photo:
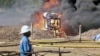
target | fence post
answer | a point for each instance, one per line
(80, 27)
(59, 52)
(32, 31)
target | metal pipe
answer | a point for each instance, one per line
(72, 46)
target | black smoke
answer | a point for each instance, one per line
(76, 12)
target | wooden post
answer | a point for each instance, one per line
(59, 52)
(32, 31)
(80, 26)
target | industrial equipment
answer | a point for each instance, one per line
(53, 23)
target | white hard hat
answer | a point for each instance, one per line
(45, 14)
(24, 29)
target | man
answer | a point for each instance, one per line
(25, 46)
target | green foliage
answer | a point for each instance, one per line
(6, 3)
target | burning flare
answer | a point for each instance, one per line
(55, 23)
(39, 23)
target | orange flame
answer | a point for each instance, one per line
(39, 24)
(50, 3)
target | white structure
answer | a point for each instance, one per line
(97, 37)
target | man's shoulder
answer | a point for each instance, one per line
(24, 38)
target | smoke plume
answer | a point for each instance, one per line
(75, 12)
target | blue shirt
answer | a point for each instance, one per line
(25, 46)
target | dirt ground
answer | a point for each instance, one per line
(71, 51)
(11, 34)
